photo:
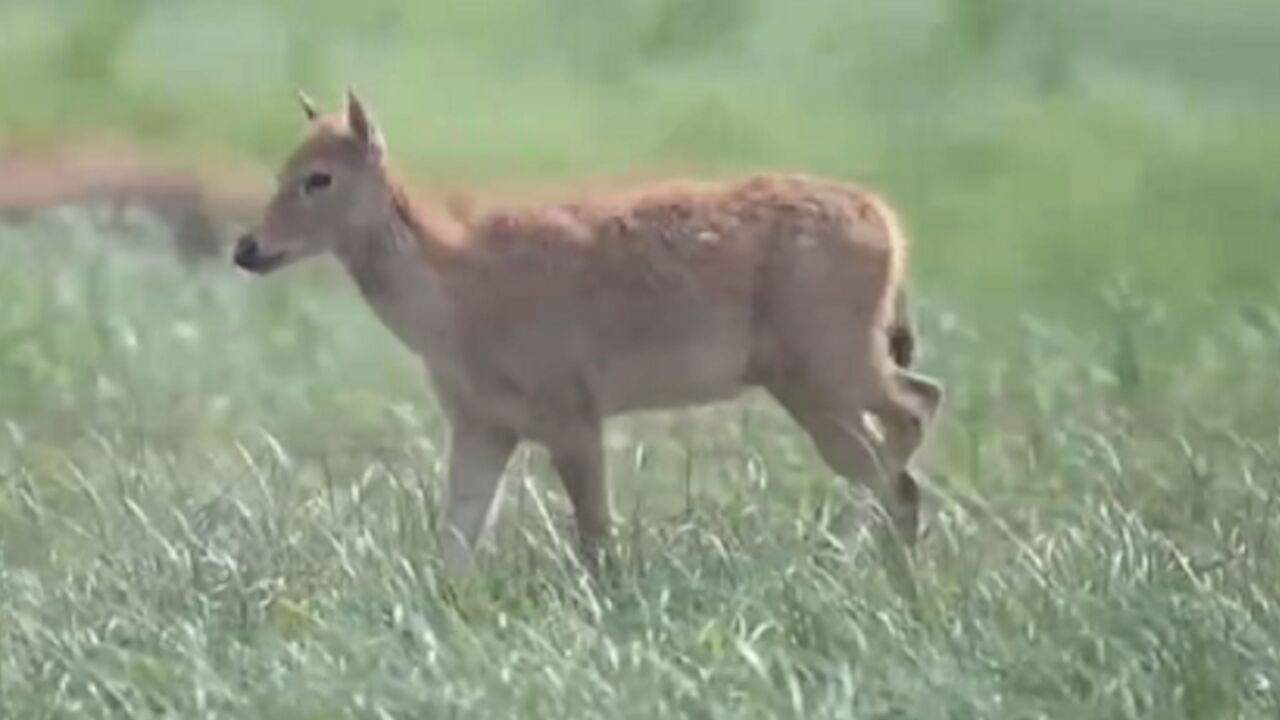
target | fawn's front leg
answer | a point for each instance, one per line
(577, 452)
(478, 455)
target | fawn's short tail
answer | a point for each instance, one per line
(902, 336)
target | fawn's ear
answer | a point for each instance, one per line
(363, 127)
(308, 107)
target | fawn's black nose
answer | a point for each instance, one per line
(246, 253)
(249, 255)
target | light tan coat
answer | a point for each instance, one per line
(538, 322)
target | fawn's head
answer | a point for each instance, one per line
(332, 187)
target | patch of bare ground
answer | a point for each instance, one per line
(202, 202)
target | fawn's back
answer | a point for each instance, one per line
(666, 296)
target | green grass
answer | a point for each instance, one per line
(216, 492)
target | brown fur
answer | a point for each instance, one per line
(539, 321)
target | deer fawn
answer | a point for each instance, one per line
(537, 323)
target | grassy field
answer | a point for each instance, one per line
(215, 492)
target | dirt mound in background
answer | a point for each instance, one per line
(205, 202)
(202, 205)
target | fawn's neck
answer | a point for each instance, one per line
(398, 267)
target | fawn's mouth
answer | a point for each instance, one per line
(249, 256)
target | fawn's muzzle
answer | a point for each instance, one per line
(249, 255)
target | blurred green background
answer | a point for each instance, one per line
(1040, 150)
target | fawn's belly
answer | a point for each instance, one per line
(698, 370)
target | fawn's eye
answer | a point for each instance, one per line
(316, 181)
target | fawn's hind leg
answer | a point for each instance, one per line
(844, 442)
(835, 423)
(906, 411)
(905, 421)
(902, 349)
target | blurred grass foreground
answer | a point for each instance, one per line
(215, 494)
